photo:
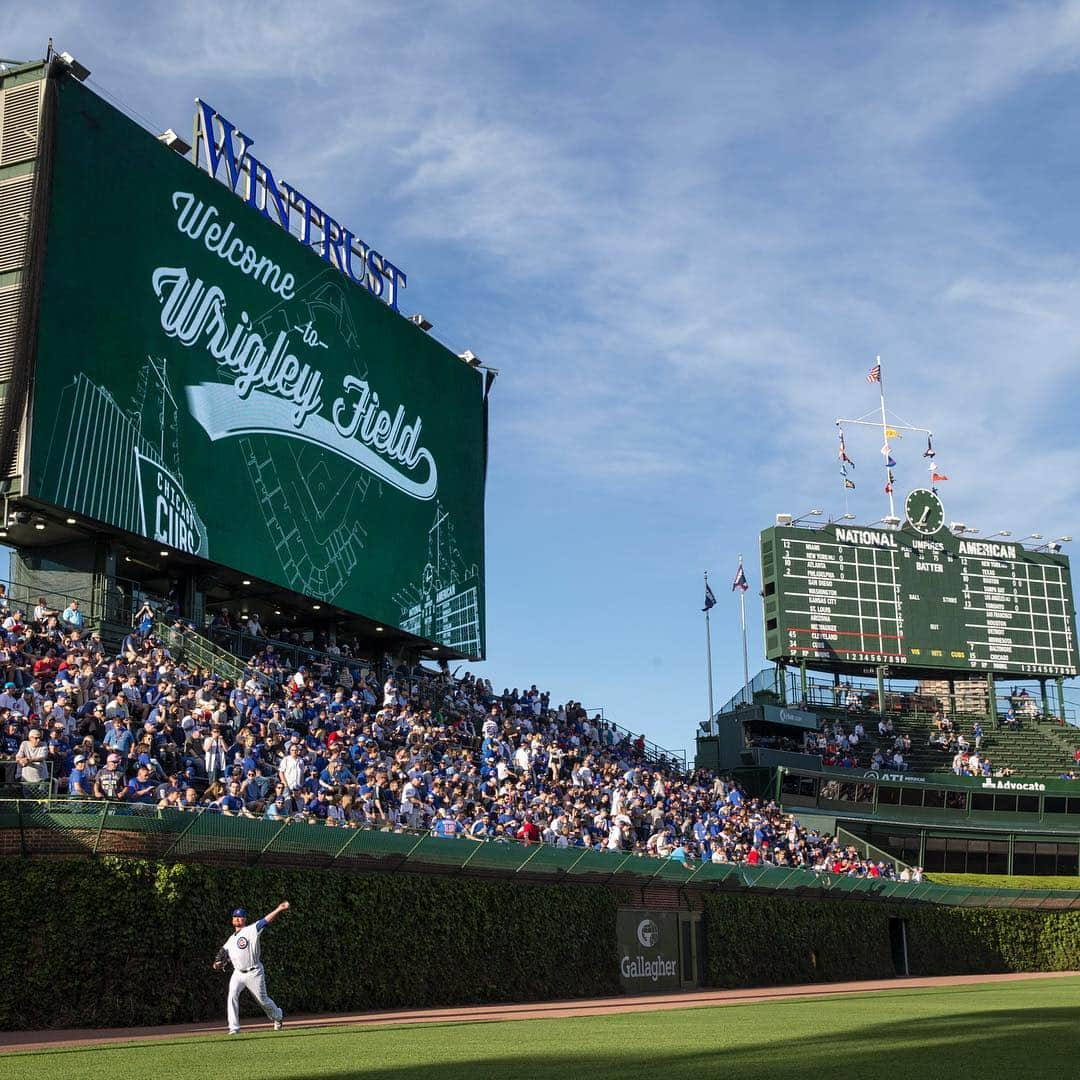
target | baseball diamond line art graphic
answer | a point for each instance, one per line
(311, 504)
(124, 467)
(444, 605)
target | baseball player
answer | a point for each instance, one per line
(242, 952)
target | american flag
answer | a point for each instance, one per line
(740, 581)
(874, 374)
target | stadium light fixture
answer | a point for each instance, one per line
(892, 521)
(69, 521)
(378, 629)
(246, 581)
(421, 321)
(163, 553)
(1053, 545)
(470, 358)
(783, 519)
(1033, 536)
(276, 611)
(80, 71)
(1003, 532)
(957, 527)
(39, 523)
(174, 142)
(316, 607)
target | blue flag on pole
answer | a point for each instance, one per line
(710, 599)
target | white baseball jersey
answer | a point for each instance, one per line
(243, 946)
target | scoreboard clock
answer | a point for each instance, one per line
(924, 512)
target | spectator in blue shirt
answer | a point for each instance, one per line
(140, 787)
(118, 737)
(72, 617)
(231, 803)
(79, 783)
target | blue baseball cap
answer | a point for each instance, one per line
(239, 913)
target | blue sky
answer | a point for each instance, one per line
(682, 232)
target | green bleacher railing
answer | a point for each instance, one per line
(867, 850)
(195, 648)
(59, 827)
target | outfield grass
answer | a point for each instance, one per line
(990, 1031)
(990, 881)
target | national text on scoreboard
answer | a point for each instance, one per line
(841, 595)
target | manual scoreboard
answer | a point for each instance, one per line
(917, 596)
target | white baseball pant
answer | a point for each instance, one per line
(254, 979)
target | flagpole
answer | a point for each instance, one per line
(708, 657)
(742, 621)
(885, 433)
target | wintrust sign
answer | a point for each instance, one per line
(228, 158)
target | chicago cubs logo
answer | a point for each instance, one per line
(241, 942)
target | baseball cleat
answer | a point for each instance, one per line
(279, 1024)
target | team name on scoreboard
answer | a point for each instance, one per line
(987, 550)
(866, 536)
(251, 179)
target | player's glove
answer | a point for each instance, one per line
(222, 961)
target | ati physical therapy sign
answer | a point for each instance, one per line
(251, 179)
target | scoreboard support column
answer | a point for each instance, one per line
(782, 671)
(802, 684)
(952, 697)
(881, 690)
(991, 697)
(1045, 699)
(1061, 698)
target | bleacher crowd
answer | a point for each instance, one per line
(345, 744)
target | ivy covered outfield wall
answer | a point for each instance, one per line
(759, 940)
(116, 942)
(119, 942)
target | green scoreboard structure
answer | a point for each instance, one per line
(211, 382)
(919, 600)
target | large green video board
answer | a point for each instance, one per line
(922, 598)
(207, 382)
